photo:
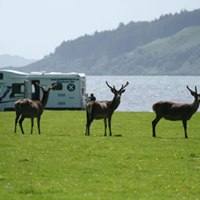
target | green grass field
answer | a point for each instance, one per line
(63, 163)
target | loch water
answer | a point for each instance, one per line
(143, 91)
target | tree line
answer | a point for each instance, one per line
(92, 54)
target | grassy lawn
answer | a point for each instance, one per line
(62, 163)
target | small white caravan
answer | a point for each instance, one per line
(68, 94)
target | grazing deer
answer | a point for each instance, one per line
(27, 108)
(103, 109)
(176, 111)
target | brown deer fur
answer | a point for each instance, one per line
(27, 108)
(176, 111)
(103, 109)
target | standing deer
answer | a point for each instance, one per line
(103, 109)
(27, 108)
(176, 111)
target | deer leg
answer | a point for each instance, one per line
(109, 125)
(154, 123)
(86, 129)
(32, 124)
(89, 121)
(185, 128)
(16, 120)
(20, 123)
(105, 126)
(87, 124)
(38, 123)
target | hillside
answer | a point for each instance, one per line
(168, 45)
(14, 61)
(175, 55)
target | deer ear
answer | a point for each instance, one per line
(123, 91)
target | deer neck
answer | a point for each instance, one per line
(115, 103)
(195, 105)
(45, 98)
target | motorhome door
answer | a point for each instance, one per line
(27, 89)
(35, 90)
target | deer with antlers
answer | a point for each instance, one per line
(27, 108)
(176, 111)
(103, 109)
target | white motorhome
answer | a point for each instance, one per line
(68, 94)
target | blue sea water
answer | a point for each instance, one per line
(143, 91)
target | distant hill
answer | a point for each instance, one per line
(169, 45)
(178, 54)
(14, 61)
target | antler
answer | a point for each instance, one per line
(113, 88)
(191, 90)
(39, 85)
(51, 87)
(110, 86)
(123, 86)
(54, 85)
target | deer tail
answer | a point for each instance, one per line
(89, 108)
(18, 104)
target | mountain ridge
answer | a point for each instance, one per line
(120, 51)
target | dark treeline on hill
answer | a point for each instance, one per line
(169, 45)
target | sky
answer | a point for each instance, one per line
(34, 28)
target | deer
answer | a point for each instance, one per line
(103, 109)
(176, 111)
(27, 108)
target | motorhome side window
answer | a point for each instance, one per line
(17, 90)
(1, 76)
(58, 86)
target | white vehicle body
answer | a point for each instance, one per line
(68, 94)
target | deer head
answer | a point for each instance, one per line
(194, 93)
(45, 93)
(117, 93)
